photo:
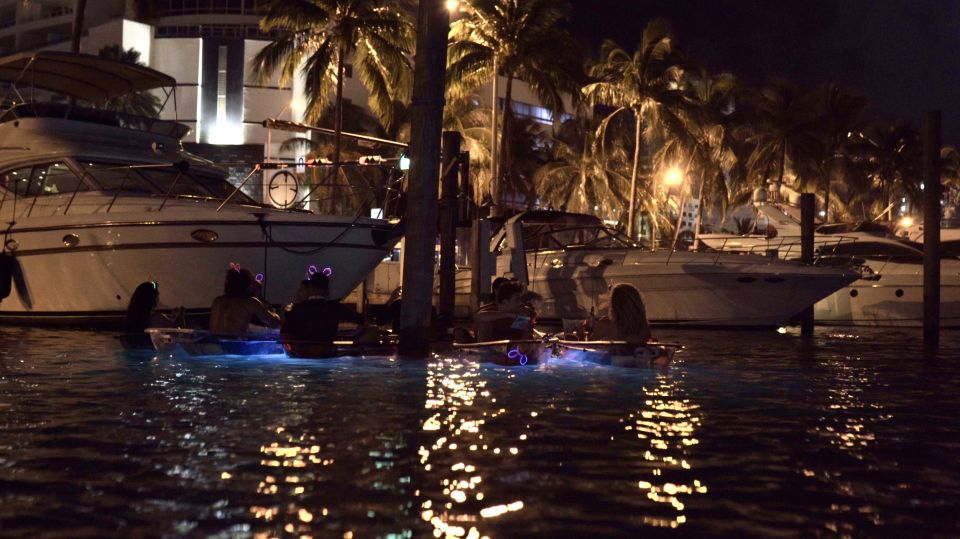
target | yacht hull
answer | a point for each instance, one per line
(894, 300)
(682, 288)
(84, 272)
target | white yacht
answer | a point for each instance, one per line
(572, 260)
(891, 290)
(92, 203)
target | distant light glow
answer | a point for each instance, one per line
(328, 271)
(453, 5)
(259, 278)
(404, 162)
(226, 133)
(311, 270)
(673, 176)
(906, 222)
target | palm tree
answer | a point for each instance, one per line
(837, 116)
(320, 35)
(138, 103)
(524, 39)
(890, 155)
(578, 177)
(472, 120)
(783, 133)
(704, 137)
(641, 84)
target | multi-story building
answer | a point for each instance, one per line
(207, 46)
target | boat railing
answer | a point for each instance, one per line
(785, 247)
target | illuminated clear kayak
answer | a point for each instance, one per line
(517, 352)
(198, 342)
(618, 353)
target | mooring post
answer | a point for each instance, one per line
(807, 208)
(433, 24)
(450, 154)
(932, 193)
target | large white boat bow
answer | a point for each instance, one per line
(92, 203)
(891, 290)
(572, 260)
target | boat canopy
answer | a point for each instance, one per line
(81, 76)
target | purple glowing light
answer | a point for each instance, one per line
(328, 271)
(311, 270)
(514, 353)
(259, 278)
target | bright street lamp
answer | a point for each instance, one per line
(453, 6)
(673, 176)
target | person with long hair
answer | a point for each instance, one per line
(142, 310)
(627, 320)
(232, 312)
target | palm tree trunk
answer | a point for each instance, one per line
(505, 157)
(338, 114)
(631, 232)
(494, 188)
(783, 163)
(78, 17)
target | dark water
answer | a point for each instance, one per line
(748, 434)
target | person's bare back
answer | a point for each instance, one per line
(230, 315)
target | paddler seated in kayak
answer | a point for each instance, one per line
(314, 318)
(142, 311)
(231, 313)
(509, 320)
(627, 320)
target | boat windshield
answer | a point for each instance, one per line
(160, 180)
(570, 231)
(874, 250)
(864, 226)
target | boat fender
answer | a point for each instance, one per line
(6, 274)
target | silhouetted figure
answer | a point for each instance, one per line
(232, 312)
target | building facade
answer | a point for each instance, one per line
(207, 46)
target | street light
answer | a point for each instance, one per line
(673, 176)
(453, 6)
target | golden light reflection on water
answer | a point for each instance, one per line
(296, 460)
(459, 405)
(667, 423)
(850, 419)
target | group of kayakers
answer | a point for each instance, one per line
(512, 314)
(509, 314)
(241, 310)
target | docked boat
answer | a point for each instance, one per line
(94, 202)
(890, 293)
(572, 260)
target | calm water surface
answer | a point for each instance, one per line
(851, 433)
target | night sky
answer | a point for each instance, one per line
(904, 55)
